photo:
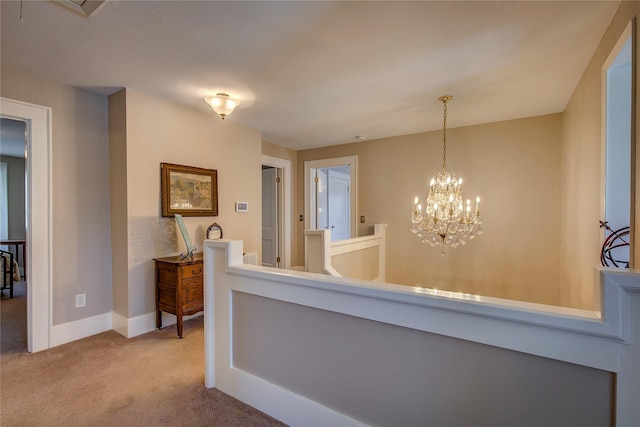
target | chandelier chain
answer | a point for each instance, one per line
(444, 135)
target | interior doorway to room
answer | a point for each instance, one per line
(13, 233)
(38, 217)
(618, 134)
(276, 212)
(271, 178)
(331, 195)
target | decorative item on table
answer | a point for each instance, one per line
(445, 220)
(214, 232)
(188, 191)
(191, 248)
(615, 248)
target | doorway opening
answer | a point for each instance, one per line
(38, 217)
(13, 233)
(331, 196)
(276, 212)
(618, 154)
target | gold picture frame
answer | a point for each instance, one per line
(188, 190)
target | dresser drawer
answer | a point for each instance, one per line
(193, 270)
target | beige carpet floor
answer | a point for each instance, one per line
(155, 379)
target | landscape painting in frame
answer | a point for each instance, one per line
(188, 190)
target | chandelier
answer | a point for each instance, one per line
(445, 219)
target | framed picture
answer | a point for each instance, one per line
(188, 191)
(242, 207)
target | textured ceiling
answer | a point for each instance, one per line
(312, 74)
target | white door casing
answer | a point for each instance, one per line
(38, 224)
(284, 203)
(618, 125)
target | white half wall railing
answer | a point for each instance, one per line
(357, 258)
(317, 350)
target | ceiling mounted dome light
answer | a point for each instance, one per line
(445, 220)
(222, 104)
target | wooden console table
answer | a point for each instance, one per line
(179, 288)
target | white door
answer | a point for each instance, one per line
(338, 205)
(322, 199)
(285, 194)
(269, 218)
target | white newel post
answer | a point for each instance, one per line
(218, 254)
(317, 255)
(628, 378)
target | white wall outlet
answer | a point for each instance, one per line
(81, 300)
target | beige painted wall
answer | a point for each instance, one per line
(515, 168)
(81, 243)
(158, 131)
(582, 195)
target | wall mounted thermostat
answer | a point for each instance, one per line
(242, 207)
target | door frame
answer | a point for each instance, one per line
(312, 165)
(39, 218)
(284, 206)
(629, 33)
(270, 180)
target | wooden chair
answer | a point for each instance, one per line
(7, 270)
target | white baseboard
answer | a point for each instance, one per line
(145, 323)
(78, 329)
(282, 404)
(140, 325)
(119, 323)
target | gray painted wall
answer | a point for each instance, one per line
(16, 190)
(81, 243)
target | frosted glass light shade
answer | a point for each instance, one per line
(222, 104)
